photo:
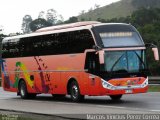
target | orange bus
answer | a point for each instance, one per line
(78, 59)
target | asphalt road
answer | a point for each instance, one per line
(146, 103)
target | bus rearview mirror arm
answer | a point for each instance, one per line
(101, 56)
(97, 48)
(156, 54)
(154, 49)
(100, 52)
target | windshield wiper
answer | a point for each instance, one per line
(140, 59)
(117, 62)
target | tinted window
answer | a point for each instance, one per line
(59, 43)
(120, 39)
(10, 48)
(117, 35)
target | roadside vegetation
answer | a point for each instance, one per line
(7, 115)
(154, 88)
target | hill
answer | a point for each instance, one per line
(119, 9)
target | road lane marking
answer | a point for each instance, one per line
(155, 110)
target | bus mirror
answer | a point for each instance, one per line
(101, 57)
(156, 54)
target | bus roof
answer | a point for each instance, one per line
(66, 26)
(63, 28)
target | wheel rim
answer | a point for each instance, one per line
(22, 91)
(74, 91)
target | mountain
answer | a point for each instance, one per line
(119, 9)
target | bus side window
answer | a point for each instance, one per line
(92, 62)
(10, 48)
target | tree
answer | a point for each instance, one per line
(60, 19)
(82, 12)
(96, 6)
(72, 20)
(27, 19)
(1, 29)
(90, 10)
(41, 15)
(39, 23)
(51, 16)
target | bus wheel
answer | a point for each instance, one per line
(75, 92)
(23, 90)
(115, 97)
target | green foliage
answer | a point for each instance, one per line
(39, 23)
(146, 3)
(154, 88)
(72, 20)
(119, 9)
(27, 19)
(148, 23)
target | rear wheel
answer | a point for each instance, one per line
(23, 91)
(75, 92)
(115, 97)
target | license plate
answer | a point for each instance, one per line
(128, 91)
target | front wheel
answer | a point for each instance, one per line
(115, 97)
(75, 92)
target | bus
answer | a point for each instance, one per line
(77, 59)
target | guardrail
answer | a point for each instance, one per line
(154, 80)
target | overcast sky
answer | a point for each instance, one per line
(12, 11)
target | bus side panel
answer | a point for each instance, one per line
(42, 73)
(59, 83)
(8, 78)
(94, 84)
(83, 83)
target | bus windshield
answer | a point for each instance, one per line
(117, 39)
(125, 61)
(117, 35)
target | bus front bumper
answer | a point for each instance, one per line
(110, 89)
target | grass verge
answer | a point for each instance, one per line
(154, 88)
(8, 115)
(14, 117)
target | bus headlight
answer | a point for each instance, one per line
(145, 83)
(107, 85)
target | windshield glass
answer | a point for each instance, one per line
(117, 35)
(119, 39)
(125, 61)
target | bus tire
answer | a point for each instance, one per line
(23, 91)
(75, 92)
(115, 97)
